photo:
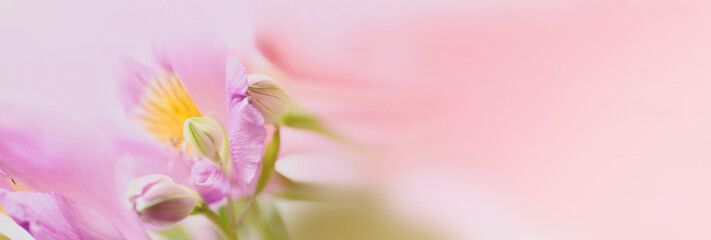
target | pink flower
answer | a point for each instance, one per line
(92, 162)
(188, 83)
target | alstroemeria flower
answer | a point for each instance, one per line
(187, 84)
(92, 162)
(53, 216)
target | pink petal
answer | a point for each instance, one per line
(210, 181)
(132, 76)
(237, 82)
(136, 157)
(245, 127)
(50, 154)
(200, 64)
(53, 216)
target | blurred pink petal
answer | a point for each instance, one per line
(576, 118)
(200, 64)
(53, 216)
(47, 153)
(136, 157)
(132, 78)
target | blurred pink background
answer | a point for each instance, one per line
(489, 119)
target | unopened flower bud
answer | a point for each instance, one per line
(160, 201)
(268, 96)
(205, 136)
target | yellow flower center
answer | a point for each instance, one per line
(165, 105)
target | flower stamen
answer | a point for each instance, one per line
(10, 180)
(165, 105)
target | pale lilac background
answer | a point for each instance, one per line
(490, 119)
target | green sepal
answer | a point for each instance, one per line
(268, 161)
(303, 120)
(300, 119)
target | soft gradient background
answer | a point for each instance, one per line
(488, 119)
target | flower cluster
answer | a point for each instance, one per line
(192, 164)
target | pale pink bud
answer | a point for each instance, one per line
(160, 201)
(268, 96)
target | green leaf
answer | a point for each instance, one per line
(265, 221)
(276, 224)
(270, 156)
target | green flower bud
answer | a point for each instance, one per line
(205, 136)
(268, 96)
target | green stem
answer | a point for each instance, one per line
(231, 212)
(246, 210)
(268, 160)
(225, 230)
